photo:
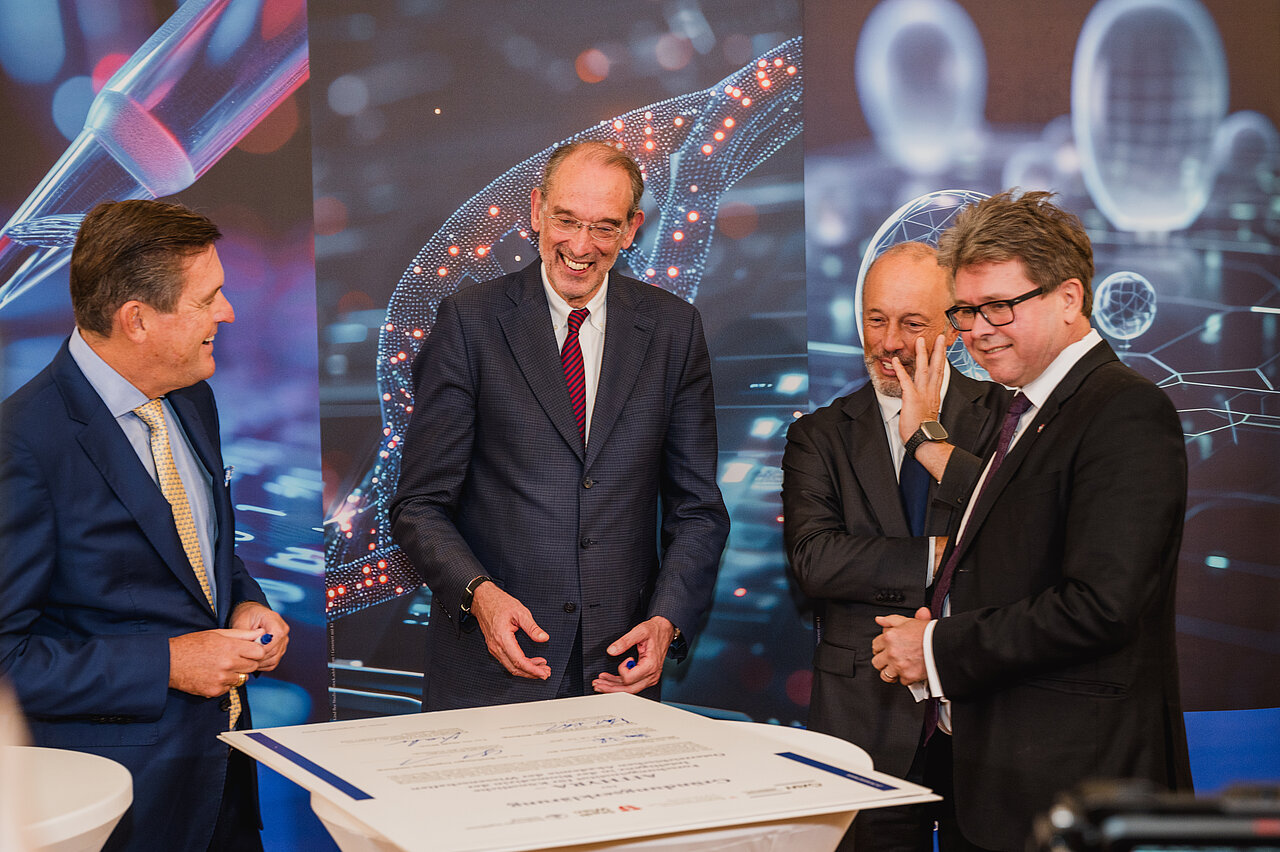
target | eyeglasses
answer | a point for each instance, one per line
(599, 231)
(998, 312)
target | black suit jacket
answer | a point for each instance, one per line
(851, 549)
(495, 481)
(1059, 655)
(96, 582)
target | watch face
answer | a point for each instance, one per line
(933, 430)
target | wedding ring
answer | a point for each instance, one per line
(241, 679)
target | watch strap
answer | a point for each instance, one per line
(469, 593)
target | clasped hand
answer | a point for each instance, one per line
(899, 649)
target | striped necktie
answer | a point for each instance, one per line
(152, 413)
(574, 374)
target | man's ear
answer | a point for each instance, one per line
(1072, 298)
(130, 319)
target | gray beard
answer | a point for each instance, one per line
(883, 386)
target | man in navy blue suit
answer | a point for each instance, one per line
(558, 485)
(128, 625)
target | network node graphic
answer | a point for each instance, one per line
(1124, 305)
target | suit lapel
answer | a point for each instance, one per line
(1094, 358)
(526, 324)
(107, 447)
(873, 463)
(626, 342)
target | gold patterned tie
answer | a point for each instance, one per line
(152, 413)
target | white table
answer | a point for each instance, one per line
(72, 800)
(820, 833)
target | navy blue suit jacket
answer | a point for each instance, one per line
(495, 481)
(95, 583)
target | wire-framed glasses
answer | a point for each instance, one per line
(599, 231)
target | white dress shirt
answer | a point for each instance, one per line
(590, 336)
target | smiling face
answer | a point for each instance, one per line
(593, 193)
(904, 298)
(176, 350)
(1017, 353)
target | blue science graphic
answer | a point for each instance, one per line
(691, 149)
(193, 90)
(1124, 306)
(1148, 94)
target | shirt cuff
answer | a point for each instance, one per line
(933, 549)
(931, 669)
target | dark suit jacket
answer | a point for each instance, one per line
(95, 583)
(495, 481)
(851, 549)
(1059, 655)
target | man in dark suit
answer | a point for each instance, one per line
(853, 544)
(128, 625)
(1054, 660)
(542, 453)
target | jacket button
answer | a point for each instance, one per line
(588, 482)
(570, 606)
(225, 704)
(586, 542)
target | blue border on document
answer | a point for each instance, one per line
(311, 766)
(835, 770)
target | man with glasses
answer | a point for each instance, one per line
(1047, 647)
(871, 484)
(562, 413)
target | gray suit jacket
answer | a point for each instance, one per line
(495, 481)
(851, 549)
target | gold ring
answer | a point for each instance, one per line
(240, 680)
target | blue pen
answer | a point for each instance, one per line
(184, 98)
(265, 638)
(631, 663)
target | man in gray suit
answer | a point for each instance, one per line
(544, 453)
(871, 486)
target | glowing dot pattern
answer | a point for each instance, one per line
(702, 143)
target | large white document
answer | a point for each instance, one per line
(550, 773)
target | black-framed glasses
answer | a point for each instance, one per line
(998, 312)
(600, 231)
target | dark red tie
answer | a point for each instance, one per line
(942, 588)
(574, 376)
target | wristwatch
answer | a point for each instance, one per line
(930, 430)
(464, 606)
(679, 647)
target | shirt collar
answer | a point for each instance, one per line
(1038, 389)
(117, 393)
(560, 308)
